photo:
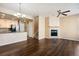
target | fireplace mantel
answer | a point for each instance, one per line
(53, 26)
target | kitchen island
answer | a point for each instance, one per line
(12, 37)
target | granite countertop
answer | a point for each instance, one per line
(9, 32)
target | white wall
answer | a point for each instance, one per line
(70, 27)
(53, 21)
(30, 28)
(41, 27)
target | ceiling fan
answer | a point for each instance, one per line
(62, 13)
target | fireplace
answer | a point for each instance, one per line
(54, 32)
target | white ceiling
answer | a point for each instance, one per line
(42, 9)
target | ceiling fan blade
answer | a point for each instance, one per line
(58, 14)
(66, 11)
(64, 14)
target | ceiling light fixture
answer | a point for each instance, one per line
(20, 14)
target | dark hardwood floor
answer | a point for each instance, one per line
(43, 47)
